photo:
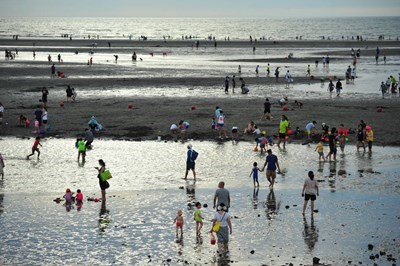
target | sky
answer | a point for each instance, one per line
(199, 8)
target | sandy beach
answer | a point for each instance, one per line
(150, 117)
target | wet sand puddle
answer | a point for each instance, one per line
(358, 205)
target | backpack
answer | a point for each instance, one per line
(194, 155)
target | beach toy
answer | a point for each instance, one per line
(255, 149)
(62, 104)
(96, 200)
(264, 132)
(285, 108)
(130, 106)
(347, 139)
(379, 110)
(193, 107)
(290, 132)
(286, 137)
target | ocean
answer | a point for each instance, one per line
(174, 28)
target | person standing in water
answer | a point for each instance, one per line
(310, 191)
(271, 162)
(190, 162)
(103, 184)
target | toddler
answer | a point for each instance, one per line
(68, 196)
(79, 196)
(320, 149)
(255, 171)
(179, 222)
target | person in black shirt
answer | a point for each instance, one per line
(332, 144)
(267, 110)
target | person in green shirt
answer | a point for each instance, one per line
(81, 149)
(283, 126)
(198, 218)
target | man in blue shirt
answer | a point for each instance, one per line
(271, 162)
(310, 128)
(190, 163)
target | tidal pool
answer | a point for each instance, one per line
(358, 205)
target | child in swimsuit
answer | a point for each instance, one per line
(179, 222)
(198, 218)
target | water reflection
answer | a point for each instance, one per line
(272, 207)
(332, 176)
(310, 233)
(191, 191)
(104, 217)
(255, 198)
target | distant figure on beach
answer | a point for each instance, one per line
(257, 67)
(221, 215)
(81, 149)
(102, 183)
(178, 221)
(377, 52)
(116, 58)
(360, 137)
(254, 172)
(383, 89)
(91, 61)
(239, 69)
(45, 118)
(198, 218)
(88, 138)
(353, 75)
(311, 129)
(94, 125)
(59, 58)
(109, 45)
(190, 161)
(243, 86)
(331, 87)
(324, 61)
(53, 71)
(226, 84)
(271, 162)
(134, 56)
(45, 92)
(308, 74)
(338, 87)
(369, 137)
(288, 79)
(283, 127)
(268, 70)
(49, 58)
(74, 94)
(222, 196)
(310, 191)
(277, 74)
(332, 145)
(267, 110)
(34, 55)
(35, 148)
(38, 115)
(233, 84)
(320, 149)
(69, 93)
(221, 124)
(2, 165)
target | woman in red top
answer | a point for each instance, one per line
(35, 148)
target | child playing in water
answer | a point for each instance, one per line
(68, 196)
(79, 196)
(81, 149)
(179, 222)
(35, 148)
(255, 171)
(198, 218)
(342, 141)
(320, 149)
(263, 143)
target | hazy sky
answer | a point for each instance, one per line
(199, 8)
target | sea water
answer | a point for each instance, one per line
(357, 206)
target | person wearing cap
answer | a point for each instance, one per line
(310, 191)
(271, 162)
(190, 164)
(68, 196)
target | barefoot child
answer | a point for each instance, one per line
(342, 141)
(310, 191)
(68, 196)
(198, 218)
(255, 171)
(35, 148)
(179, 222)
(320, 149)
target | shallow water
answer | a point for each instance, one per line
(358, 205)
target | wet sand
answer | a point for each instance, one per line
(152, 116)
